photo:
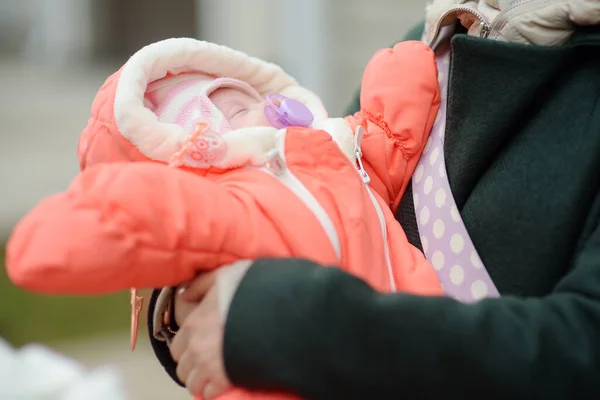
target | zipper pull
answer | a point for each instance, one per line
(358, 136)
(452, 15)
(485, 31)
(136, 307)
(275, 162)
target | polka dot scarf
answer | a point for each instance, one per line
(446, 242)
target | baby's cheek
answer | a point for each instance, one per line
(261, 120)
(251, 118)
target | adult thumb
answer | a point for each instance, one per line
(197, 288)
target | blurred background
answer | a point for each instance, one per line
(55, 54)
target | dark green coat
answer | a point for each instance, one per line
(523, 159)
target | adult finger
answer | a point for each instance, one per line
(183, 309)
(198, 287)
(197, 381)
(227, 281)
(210, 391)
(213, 389)
(195, 327)
(184, 367)
(179, 344)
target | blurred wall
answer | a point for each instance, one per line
(325, 44)
(125, 26)
(59, 31)
(14, 25)
(54, 55)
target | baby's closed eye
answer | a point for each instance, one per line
(236, 111)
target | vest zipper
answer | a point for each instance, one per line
(522, 6)
(490, 29)
(485, 24)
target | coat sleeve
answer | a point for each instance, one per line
(399, 102)
(344, 340)
(142, 224)
(414, 34)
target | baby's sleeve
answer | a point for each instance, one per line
(399, 102)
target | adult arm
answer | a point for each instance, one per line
(325, 334)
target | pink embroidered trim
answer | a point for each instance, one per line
(177, 158)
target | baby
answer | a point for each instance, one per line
(197, 156)
(229, 104)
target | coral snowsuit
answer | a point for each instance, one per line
(130, 220)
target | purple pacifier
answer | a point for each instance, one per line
(283, 112)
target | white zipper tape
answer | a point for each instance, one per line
(276, 167)
(386, 248)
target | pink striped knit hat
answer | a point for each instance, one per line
(184, 100)
(139, 124)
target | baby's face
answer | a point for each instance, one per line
(239, 108)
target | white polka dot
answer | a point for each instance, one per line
(446, 60)
(475, 260)
(442, 170)
(424, 215)
(441, 77)
(419, 173)
(457, 275)
(437, 260)
(440, 198)
(416, 199)
(439, 228)
(424, 244)
(479, 290)
(427, 145)
(428, 185)
(438, 118)
(457, 243)
(443, 92)
(435, 153)
(454, 213)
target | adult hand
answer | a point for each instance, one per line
(198, 346)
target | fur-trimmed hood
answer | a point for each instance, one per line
(121, 128)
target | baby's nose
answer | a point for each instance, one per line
(256, 114)
(261, 104)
